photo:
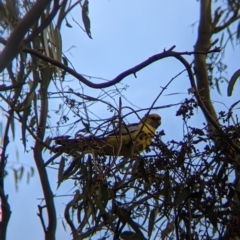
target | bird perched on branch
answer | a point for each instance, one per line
(133, 139)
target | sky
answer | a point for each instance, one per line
(125, 33)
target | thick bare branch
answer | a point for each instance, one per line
(121, 76)
(15, 41)
(203, 43)
(38, 147)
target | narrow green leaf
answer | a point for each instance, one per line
(89, 170)
(20, 172)
(58, 44)
(60, 171)
(151, 222)
(218, 87)
(144, 175)
(92, 210)
(85, 18)
(32, 121)
(167, 187)
(74, 166)
(128, 235)
(65, 62)
(221, 40)
(232, 82)
(47, 75)
(238, 31)
(45, 40)
(102, 211)
(12, 127)
(64, 226)
(87, 175)
(104, 194)
(47, 141)
(79, 212)
(30, 174)
(28, 177)
(31, 93)
(15, 174)
(32, 171)
(182, 196)
(230, 36)
(212, 216)
(89, 210)
(26, 113)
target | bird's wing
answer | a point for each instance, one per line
(125, 130)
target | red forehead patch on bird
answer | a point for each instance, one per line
(154, 116)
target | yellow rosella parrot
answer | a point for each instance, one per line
(133, 140)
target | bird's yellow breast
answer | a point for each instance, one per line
(132, 143)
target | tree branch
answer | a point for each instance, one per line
(3, 87)
(15, 42)
(234, 18)
(45, 23)
(38, 147)
(40, 215)
(6, 213)
(121, 76)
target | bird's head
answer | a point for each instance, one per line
(152, 119)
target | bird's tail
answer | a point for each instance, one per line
(64, 141)
(66, 144)
(81, 144)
